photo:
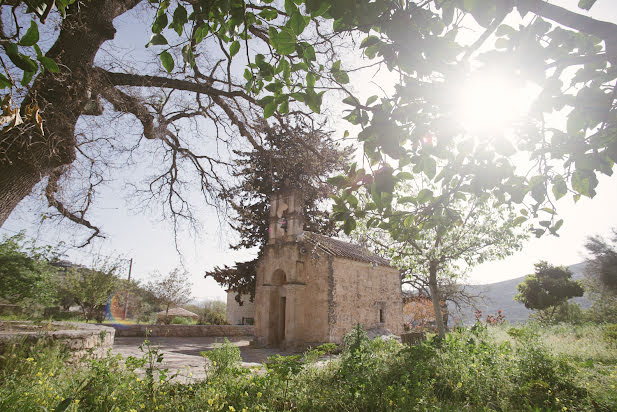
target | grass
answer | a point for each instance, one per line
(483, 369)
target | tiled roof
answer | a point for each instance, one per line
(335, 247)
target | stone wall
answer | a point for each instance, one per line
(293, 274)
(236, 314)
(362, 293)
(182, 330)
(82, 339)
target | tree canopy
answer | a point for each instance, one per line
(548, 288)
(288, 53)
(25, 271)
(171, 289)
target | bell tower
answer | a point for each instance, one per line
(286, 217)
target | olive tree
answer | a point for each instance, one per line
(171, 289)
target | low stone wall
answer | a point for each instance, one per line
(81, 339)
(183, 330)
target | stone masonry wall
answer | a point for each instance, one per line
(182, 330)
(82, 339)
(360, 291)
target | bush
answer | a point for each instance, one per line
(181, 320)
(224, 359)
(610, 335)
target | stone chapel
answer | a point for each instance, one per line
(312, 289)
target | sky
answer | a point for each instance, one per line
(148, 240)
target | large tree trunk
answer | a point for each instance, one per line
(26, 155)
(436, 298)
(16, 182)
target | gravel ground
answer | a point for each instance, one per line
(182, 355)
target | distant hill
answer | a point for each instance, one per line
(500, 295)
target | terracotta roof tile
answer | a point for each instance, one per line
(335, 247)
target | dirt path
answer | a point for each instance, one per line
(182, 355)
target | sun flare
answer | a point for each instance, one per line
(489, 102)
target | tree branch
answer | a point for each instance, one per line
(50, 192)
(126, 79)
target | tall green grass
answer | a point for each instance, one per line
(488, 368)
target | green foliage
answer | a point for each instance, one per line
(547, 289)
(181, 320)
(602, 266)
(171, 289)
(214, 313)
(91, 289)
(610, 334)
(223, 360)
(463, 372)
(25, 272)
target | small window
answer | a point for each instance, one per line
(382, 318)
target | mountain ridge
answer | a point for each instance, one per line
(500, 296)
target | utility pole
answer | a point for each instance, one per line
(126, 299)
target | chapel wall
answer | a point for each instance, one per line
(359, 292)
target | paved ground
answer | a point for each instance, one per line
(182, 355)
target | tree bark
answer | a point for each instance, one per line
(436, 298)
(26, 155)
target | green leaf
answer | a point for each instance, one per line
(586, 4)
(180, 19)
(349, 226)
(581, 184)
(201, 33)
(284, 41)
(284, 107)
(559, 188)
(297, 23)
(167, 60)
(269, 109)
(234, 48)
(425, 195)
(430, 167)
(23, 62)
(157, 40)
(519, 220)
(310, 79)
(370, 100)
(557, 225)
(4, 82)
(299, 66)
(48, 64)
(32, 35)
(341, 77)
(290, 7)
(159, 23)
(269, 14)
(27, 77)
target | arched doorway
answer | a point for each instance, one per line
(278, 308)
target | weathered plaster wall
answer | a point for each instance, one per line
(235, 312)
(359, 291)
